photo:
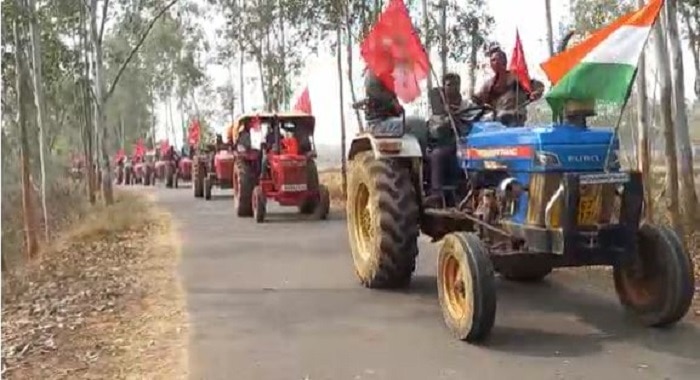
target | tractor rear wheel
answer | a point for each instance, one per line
(207, 188)
(323, 203)
(259, 204)
(243, 188)
(658, 284)
(382, 211)
(198, 179)
(169, 176)
(466, 287)
(309, 205)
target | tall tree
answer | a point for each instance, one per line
(550, 35)
(689, 198)
(690, 11)
(30, 239)
(643, 157)
(666, 93)
(40, 104)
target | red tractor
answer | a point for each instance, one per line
(283, 169)
(160, 169)
(213, 167)
(185, 169)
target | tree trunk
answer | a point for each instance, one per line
(339, 63)
(643, 161)
(694, 42)
(99, 85)
(426, 40)
(473, 55)
(443, 36)
(30, 238)
(667, 119)
(241, 80)
(40, 106)
(689, 198)
(349, 55)
(550, 34)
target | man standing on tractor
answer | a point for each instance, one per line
(443, 155)
(504, 93)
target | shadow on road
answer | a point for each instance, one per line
(293, 216)
(597, 311)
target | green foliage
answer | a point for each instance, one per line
(590, 15)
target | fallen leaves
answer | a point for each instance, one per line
(82, 305)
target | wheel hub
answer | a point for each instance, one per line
(454, 288)
(364, 221)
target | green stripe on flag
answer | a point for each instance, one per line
(588, 80)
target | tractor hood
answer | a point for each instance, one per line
(560, 147)
(495, 134)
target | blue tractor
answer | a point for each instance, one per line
(530, 199)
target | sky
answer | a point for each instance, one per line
(320, 73)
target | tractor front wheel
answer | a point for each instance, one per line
(466, 287)
(244, 182)
(382, 209)
(658, 284)
(198, 179)
(259, 205)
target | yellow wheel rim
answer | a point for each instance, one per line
(455, 288)
(364, 219)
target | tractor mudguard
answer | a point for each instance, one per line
(406, 146)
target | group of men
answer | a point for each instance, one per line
(502, 93)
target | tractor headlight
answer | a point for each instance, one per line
(543, 158)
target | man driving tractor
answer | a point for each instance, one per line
(504, 93)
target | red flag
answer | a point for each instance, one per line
(120, 154)
(394, 53)
(518, 65)
(193, 133)
(304, 102)
(164, 146)
(139, 149)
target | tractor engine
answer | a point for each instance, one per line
(289, 171)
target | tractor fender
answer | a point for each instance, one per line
(406, 146)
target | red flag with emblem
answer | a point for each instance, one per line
(193, 133)
(303, 104)
(518, 64)
(394, 53)
(164, 146)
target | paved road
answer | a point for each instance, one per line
(280, 301)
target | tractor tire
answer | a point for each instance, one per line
(323, 203)
(147, 178)
(382, 209)
(175, 180)
(198, 179)
(466, 287)
(207, 188)
(169, 177)
(658, 285)
(127, 178)
(245, 183)
(310, 204)
(259, 204)
(525, 269)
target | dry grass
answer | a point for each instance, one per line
(333, 179)
(104, 301)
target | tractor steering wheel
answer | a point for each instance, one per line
(473, 113)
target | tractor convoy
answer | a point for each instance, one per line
(509, 199)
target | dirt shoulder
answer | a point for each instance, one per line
(104, 302)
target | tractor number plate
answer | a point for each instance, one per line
(297, 187)
(589, 206)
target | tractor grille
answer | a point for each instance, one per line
(290, 173)
(597, 203)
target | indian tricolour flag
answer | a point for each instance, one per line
(603, 66)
